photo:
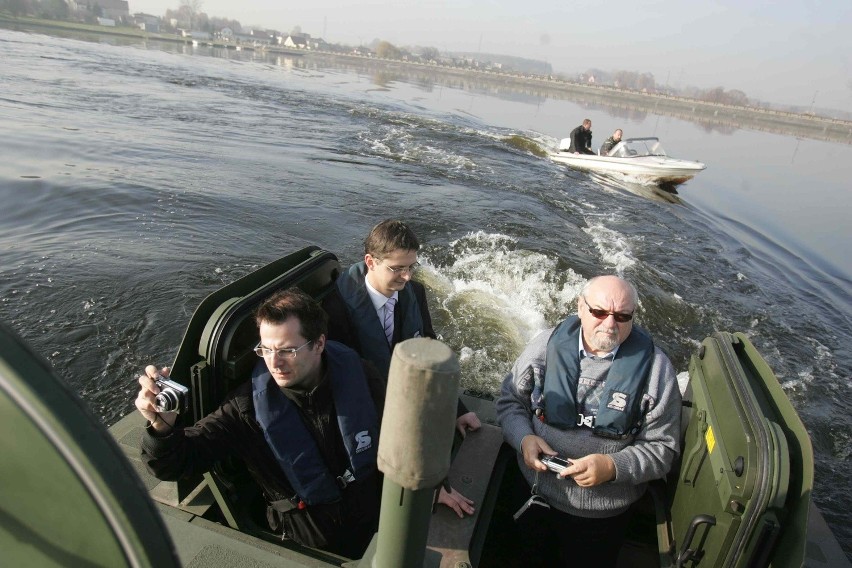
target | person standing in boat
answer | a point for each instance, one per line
(581, 139)
(597, 391)
(375, 305)
(610, 142)
(318, 473)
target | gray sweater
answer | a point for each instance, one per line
(638, 460)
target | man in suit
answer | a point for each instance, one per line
(375, 305)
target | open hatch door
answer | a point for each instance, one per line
(742, 495)
(68, 496)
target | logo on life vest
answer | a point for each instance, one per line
(618, 401)
(364, 441)
(587, 421)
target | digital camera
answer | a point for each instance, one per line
(555, 463)
(173, 396)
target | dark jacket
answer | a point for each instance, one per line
(581, 141)
(362, 327)
(608, 145)
(342, 328)
(344, 527)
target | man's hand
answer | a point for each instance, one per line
(591, 470)
(162, 422)
(455, 501)
(532, 447)
(469, 421)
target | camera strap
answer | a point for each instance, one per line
(535, 503)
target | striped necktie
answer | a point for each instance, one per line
(388, 322)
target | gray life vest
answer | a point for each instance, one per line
(620, 412)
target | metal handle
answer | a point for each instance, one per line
(688, 553)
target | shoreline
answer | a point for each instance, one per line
(714, 115)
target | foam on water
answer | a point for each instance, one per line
(399, 144)
(614, 248)
(492, 297)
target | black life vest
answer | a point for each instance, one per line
(620, 412)
(371, 334)
(292, 443)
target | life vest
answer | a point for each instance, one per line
(292, 443)
(620, 412)
(371, 334)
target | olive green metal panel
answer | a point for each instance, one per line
(68, 497)
(791, 549)
(743, 481)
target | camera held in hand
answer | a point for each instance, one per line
(555, 463)
(173, 396)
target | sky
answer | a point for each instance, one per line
(781, 51)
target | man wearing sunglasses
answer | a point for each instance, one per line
(318, 474)
(376, 304)
(594, 390)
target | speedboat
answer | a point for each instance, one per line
(638, 160)
(75, 494)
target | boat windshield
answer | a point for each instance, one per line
(634, 147)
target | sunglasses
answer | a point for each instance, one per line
(603, 314)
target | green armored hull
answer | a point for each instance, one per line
(74, 495)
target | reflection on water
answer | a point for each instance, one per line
(647, 191)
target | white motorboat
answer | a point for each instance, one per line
(640, 160)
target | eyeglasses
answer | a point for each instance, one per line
(620, 317)
(285, 353)
(403, 269)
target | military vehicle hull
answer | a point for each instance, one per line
(739, 497)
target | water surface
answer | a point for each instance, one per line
(136, 179)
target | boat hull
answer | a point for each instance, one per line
(659, 170)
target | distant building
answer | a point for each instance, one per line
(106, 22)
(261, 37)
(317, 43)
(114, 9)
(299, 41)
(147, 22)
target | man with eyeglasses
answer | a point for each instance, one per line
(596, 391)
(375, 305)
(318, 473)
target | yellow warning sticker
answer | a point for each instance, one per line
(710, 439)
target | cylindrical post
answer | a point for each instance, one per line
(403, 526)
(414, 446)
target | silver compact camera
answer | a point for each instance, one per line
(555, 463)
(173, 396)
